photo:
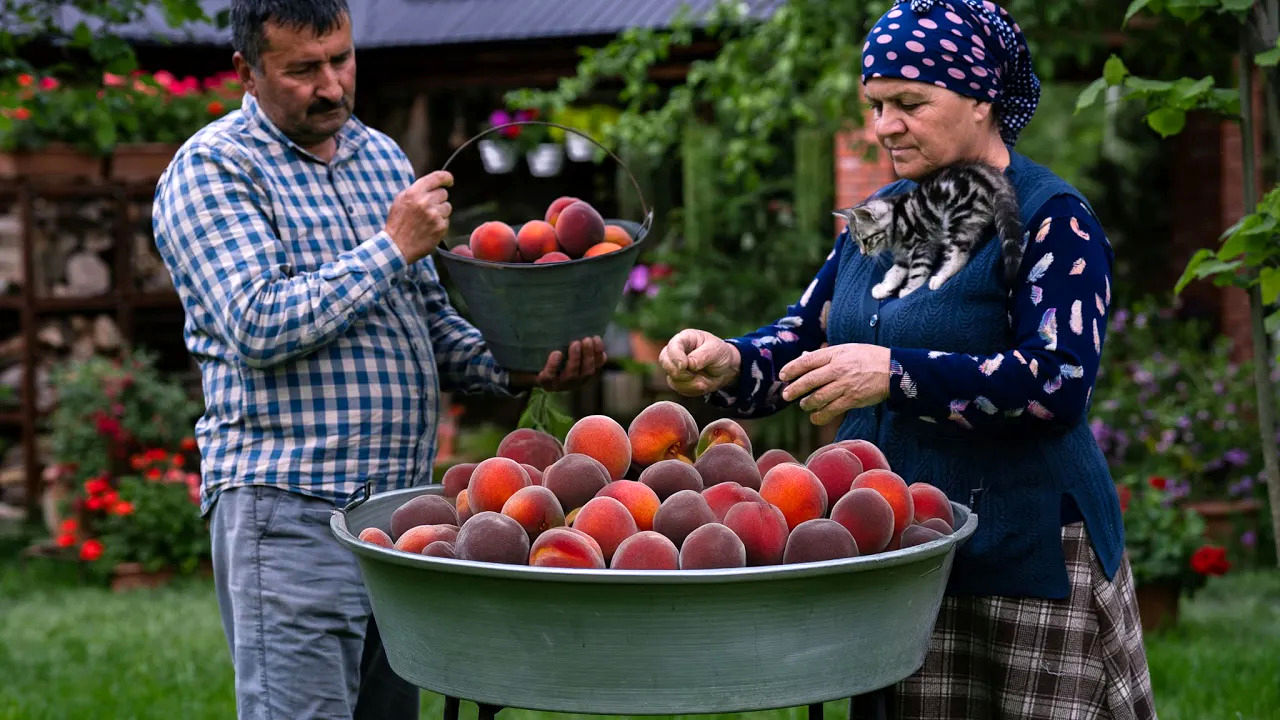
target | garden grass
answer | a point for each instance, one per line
(70, 650)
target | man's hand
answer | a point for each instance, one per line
(836, 379)
(419, 216)
(697, 362)
(585, 359)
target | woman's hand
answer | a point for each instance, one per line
(836, 379)
(697, 362)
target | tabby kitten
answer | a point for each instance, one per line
(932, 229)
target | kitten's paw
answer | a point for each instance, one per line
(907, 291)
(936, 282)
(880, 292)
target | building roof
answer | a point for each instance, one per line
(401, 23)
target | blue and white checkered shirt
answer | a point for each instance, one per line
(321, 350)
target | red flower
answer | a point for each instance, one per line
(66, 539)
(107, 425)
(1158, 482)
(94, 503)
(68, 526)
(25, 80)
(1210, 560)
(1125, 496)
(124, 507)
(157, 455)
(188, 444)
(95, 486)
(21, 113)
(215, 108)
(177, 460)
(49, 83)
(154, 474)
(90, 550)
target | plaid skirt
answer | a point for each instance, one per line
(1037, 659)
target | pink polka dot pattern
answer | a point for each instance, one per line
(971, 47)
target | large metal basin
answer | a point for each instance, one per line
(650, 642)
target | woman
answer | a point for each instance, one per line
(976, 387)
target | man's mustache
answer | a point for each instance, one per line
(324, 106)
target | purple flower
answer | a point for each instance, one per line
(1241, 487)
(1236, 456)
(1140, 320)
(1179, 489)
(638, 279)
(1249, 538)
(1142, 376)
(1119, 320)
(1166, 441)
(1218, 387)
(499, 117)
(1183, 422)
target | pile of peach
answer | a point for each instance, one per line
(570, 229)
(698, 500)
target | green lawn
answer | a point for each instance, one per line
(69, 650)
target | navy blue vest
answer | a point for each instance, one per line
(1024, 480)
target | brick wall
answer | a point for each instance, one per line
(858, 173)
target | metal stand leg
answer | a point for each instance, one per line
(870, 706)
(486, 712)
(815, 711)
(450, 707)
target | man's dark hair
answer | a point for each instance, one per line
(248, 17)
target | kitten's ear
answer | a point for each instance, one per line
(847, 215)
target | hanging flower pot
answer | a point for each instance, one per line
(496, 156)
(545, 159)
(578, 148)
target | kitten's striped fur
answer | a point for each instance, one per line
(932, 229)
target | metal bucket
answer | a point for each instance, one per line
(526, 311)
(650, 642)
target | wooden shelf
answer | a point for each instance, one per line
(109, 301)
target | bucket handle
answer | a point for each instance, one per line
(644, 206)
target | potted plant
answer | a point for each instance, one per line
(163, 112)
(142, 528)
(498, 151)
(540, 145)
(51, 130)
(1166, 548)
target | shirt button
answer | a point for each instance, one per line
(874, 320)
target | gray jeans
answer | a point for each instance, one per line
(296, 614)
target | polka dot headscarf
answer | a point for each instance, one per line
(970, 47)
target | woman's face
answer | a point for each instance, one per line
(925, 127)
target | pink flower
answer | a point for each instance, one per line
(112, 80)
(49, 83)
(164, 79)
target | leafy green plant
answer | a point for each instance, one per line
(1248, 258)
(142, 107)
(1171, 402)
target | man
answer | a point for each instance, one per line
(298, 238)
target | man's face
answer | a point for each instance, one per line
(305, 83)
(926, 127)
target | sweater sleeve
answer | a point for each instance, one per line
(765, 351)
(1058, 314)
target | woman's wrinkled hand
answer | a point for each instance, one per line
(697, 362)
(835, 379)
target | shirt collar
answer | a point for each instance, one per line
(351, 136)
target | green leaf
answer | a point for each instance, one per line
(1270, 57)
(1090, 94)
(1236, 5)
(1269, 278)
(1272, 324)
(1167, 121)
(1114, 71)
(1134, 8)
(1145, 85)
(1193, 265)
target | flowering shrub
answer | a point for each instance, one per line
(110, 409)
(525, 137)
(150, 516)
(1164, 541)
(141, 107)
(1171, 403)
